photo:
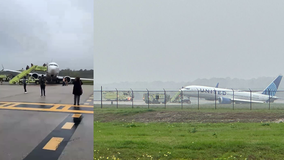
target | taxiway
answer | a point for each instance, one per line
(37, 127)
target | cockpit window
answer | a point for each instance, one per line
(52, 65)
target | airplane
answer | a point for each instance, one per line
(51, 75)
(228, 96)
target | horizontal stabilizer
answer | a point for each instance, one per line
(247, 101)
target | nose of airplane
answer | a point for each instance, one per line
(52, 69)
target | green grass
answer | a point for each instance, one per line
(126, 110)
(266, 106)
(85, 82)
(132, 140)
(117, 136)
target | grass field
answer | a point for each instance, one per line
(188, 134)
(265, 106)
(88, 82)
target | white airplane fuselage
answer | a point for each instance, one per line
(208, 93)
(52, 71)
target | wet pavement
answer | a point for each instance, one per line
(35, 127)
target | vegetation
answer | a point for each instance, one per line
(121, 138)
(88, 82)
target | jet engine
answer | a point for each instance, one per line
(223, 100)
(68, 79)
(35, 75)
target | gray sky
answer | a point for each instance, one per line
(39, 31)
(185, 40)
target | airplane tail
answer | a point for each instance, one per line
(217, 85)
(271, 89)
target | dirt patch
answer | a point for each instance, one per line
(191, 116)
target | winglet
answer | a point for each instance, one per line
(273, 86)
(217, 85)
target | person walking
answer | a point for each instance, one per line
(77, 90)
(42, 85)
(25, 84)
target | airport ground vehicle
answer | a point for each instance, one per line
(177, 98)
(120, 96)
(4, 78)
(156, 98)
(30, 80)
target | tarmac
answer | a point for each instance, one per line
(36, 127)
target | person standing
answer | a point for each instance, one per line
(42, 85)
(77, 90)
(25, 84)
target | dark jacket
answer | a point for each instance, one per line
(42, 81)
(77, 88)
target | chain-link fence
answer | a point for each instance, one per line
(198, 99)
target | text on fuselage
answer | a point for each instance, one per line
(213, 91)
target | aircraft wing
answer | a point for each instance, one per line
(15, 71)
(72, 78)
(86, 79)
(10, 70)
(246, 101)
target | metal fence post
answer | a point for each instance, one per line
(165, 97)
(181, 99)
(269, 97)
(198, 99)
(132, 96)
(215, 98)
(116, 98)
(233, 99)
(250, 99)
(148, 97)
(101, 96)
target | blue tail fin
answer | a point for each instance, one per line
(217, 85)
(273, 86)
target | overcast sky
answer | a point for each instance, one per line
(184, 40)
(39, 31)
